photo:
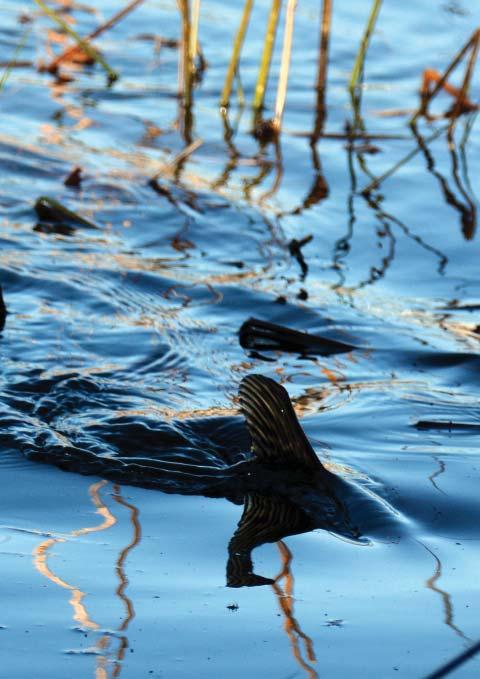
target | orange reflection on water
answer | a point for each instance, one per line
(41, 553)
(80, 613)
(292, 628)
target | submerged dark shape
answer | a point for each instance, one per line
(3, 310)
(51, 211)
(262, 335)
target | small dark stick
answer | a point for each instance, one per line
(455, 662)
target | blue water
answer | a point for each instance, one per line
(120, 357)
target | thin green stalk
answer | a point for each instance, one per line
(237, 48)
(88, 49)
(362, 51)
(18, 49)
(268, 45)
(285, 64)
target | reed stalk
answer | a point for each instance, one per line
(193, 46)
(81, 43)
(185, 62)
(268, 45)
(65, 56)
(362, 51)
(284, 65)
(235, 58)
(321, 85)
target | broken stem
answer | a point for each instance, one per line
(427, 96)
(84, 46)
(98, 31)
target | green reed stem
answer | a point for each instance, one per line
(268, 45)
(362, 51)
(237, 48)
(11, 63)
(84, 46)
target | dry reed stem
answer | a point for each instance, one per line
(235, 58)
(68, 53)
(462, 100)
(285, 64)
(321, 85)
(268, 45)
(185, 63)
(427, 95)
(193, 47)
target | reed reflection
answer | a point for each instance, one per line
(462, 201)
(265, 519)
(446, 598)
(105, 655)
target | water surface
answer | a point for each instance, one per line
(120, 357)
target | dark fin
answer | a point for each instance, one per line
(265, 518)
(277, 436)
(261, 335)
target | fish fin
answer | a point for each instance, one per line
(277, 436)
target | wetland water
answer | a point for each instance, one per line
(120, 356)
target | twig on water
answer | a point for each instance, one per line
(179, 158)
(321, 85)
(71, 51)
(235, 58)
(378, 180)
(82, 44)
(268, 45)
